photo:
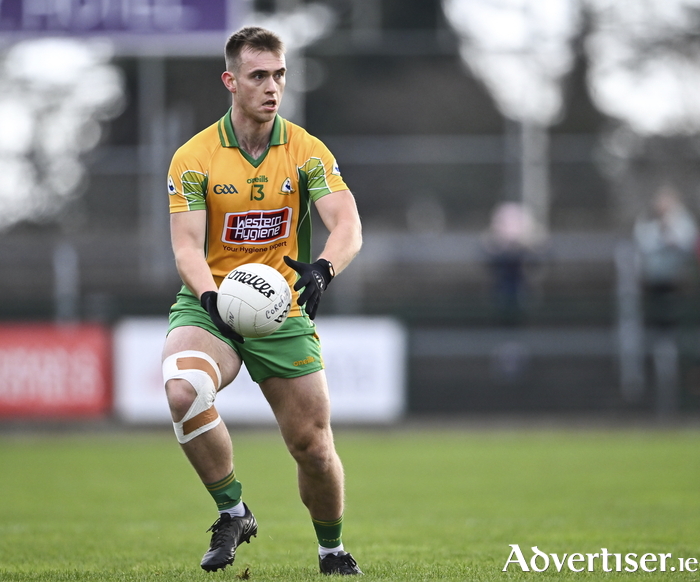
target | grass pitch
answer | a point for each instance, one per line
(421, 505)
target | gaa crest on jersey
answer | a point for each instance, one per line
(257, 227)
(171, 186)
(286, 187)
(224, 189)
(336, 168)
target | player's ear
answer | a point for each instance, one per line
(229, 81)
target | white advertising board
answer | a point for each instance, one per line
(365, 365)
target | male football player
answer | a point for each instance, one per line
(241, 191)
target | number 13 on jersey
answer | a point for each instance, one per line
(257, 192)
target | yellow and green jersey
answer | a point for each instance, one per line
(258, 210)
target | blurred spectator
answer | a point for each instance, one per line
(667, 242)
(510, 248)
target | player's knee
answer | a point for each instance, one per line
(314, 451)
(192, 379)
(181, 395)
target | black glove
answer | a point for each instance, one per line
(314, 277)
(208, 301)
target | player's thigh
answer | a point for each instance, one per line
(194, 338)
(301, 405)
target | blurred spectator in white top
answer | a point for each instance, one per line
(667, 242)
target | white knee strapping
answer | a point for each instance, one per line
(202, 372)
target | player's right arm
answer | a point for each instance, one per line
(188, 235)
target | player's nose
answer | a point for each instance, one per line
(270, 85)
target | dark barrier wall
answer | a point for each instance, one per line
(547, 370)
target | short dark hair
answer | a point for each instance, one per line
(252, 37)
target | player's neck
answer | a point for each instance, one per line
(253, 137)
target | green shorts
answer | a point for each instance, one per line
(293, 350)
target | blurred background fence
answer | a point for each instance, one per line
(499, 227)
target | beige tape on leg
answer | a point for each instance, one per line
(203, 373)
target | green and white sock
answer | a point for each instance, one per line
(226, 492)
(237, 510)
(329, 535)
(323, 552)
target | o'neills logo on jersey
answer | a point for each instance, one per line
(257, 226)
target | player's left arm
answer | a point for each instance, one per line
(338, 212)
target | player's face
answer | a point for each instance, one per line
(258, 84)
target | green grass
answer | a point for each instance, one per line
(421, 505)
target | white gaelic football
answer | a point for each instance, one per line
(254, 299)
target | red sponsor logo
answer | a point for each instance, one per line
(257, 227)
(47, 370)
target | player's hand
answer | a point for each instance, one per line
(208, 301)
(314, 278)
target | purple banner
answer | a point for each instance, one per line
(113, 16)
